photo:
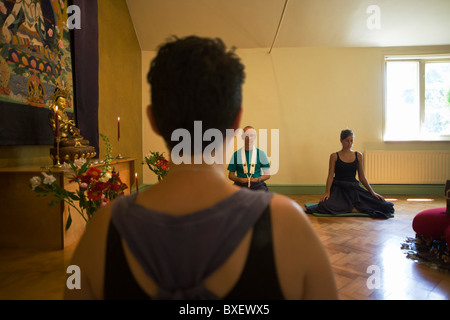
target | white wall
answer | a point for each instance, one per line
(310, 94)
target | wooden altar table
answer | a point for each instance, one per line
(27, 221)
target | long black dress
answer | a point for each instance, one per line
(346, 194)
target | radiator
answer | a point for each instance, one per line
(407, 167)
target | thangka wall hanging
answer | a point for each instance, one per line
(35, 58)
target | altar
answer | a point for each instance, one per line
(27, 221)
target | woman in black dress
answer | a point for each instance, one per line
(343, 191)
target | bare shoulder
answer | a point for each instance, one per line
(96, 229)
(286, 209)
(289, 218)
(359, 155)
(89, 257)
(333, 156)
(301, 260)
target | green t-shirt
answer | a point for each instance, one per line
(236, 163)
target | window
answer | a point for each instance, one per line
(417, 98)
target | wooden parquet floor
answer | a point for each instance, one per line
(366, 254)
(354, 244)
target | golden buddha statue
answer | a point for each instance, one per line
(72, 145)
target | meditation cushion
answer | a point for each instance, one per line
(433, 223)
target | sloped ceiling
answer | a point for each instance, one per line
(294, 23)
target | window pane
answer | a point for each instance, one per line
(437, 99)
(402, 100)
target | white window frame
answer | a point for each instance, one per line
(421, 59)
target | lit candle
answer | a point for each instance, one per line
(118, 128)
(56, 122)
(137, 184)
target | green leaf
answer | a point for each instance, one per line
(54, 202)
(69, 222)
(85, 167)
(73, 196)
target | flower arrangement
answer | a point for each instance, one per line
(96, 187)
(158, 164)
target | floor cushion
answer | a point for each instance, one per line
(433, 223)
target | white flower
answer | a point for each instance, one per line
(66, 166)
(35, 182)
(106, 177)
(48, 178)
(79, 162)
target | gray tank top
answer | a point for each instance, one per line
(181, 251)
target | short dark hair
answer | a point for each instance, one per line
(345, 133)
(195, 79)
